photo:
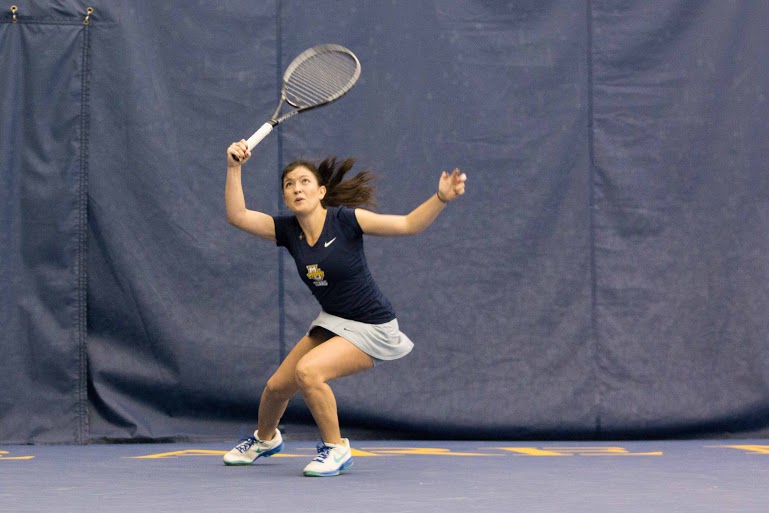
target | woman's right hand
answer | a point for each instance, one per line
(240, 150)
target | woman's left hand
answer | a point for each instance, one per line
(451, 186)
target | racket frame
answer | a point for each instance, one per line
(301, 58)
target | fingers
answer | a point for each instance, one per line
(238, 151)
(452, 185)
(458, 178)
(459, 185)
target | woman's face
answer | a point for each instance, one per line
(301, 191)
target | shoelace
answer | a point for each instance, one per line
(245, 444)
(323, 452)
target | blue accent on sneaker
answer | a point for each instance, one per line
(245, 444)
(274, 450)
(311, 473)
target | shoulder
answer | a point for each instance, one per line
(284, 220)
(345, 217)
(285, 225)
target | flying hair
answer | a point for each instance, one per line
(354, 192)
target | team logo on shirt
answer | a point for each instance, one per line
(316, 274)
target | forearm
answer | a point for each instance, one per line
(450, 188)
(234, 200)
(424, 215)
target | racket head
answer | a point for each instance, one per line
(320, 75)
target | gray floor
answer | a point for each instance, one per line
(397, 476)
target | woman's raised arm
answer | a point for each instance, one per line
(251, 221)
(450, 187)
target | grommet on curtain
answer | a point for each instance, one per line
(13, 11)
(88, 13)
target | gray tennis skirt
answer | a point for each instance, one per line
(379, 341)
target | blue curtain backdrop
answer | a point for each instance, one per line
(605, 276)
(43, 206)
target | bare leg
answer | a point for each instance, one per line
(333, 359)
(282, 386)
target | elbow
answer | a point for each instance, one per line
(233, 219)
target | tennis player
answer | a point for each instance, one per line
(357, 327)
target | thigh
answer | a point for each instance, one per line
(336, 358)
(285, 376)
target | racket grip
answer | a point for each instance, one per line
(259, 135)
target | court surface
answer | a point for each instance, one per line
(394, 476)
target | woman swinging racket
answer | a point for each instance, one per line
(357, 327)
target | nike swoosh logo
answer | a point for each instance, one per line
(327, 244)
(339, 460)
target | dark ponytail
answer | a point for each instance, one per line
(354, 192)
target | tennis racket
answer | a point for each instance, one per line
(317, 77)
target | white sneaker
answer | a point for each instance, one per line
(331, 459)
(251, 448)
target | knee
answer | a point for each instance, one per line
(307, 376)
(279, 389)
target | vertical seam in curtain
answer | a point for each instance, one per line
(279, 134)
(82, 435)
(591, 223)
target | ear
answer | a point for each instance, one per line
(322, 191)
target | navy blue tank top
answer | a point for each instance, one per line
(335, 268)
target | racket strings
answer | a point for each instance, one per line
(321, 78)
(304, 92)
(310, 93)
(329, 68)
(316, 86)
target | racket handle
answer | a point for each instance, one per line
(259, 135)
